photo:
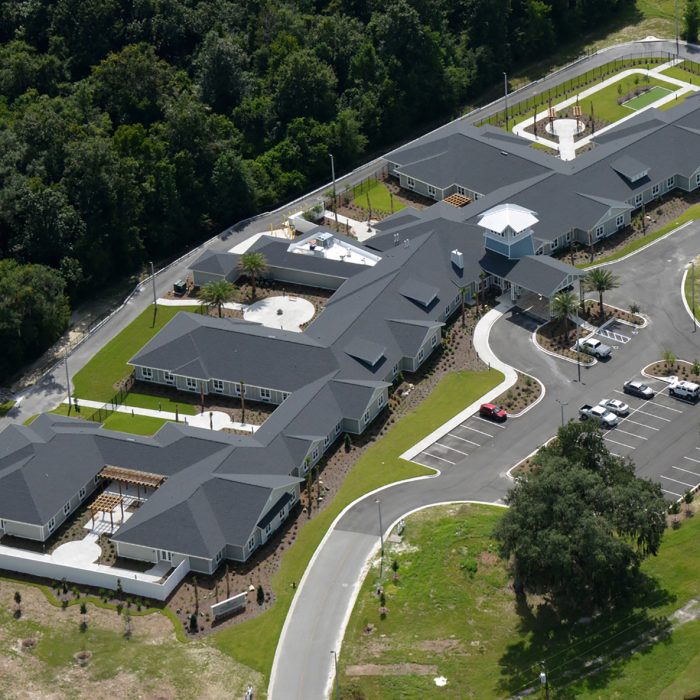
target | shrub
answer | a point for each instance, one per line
(193, 623)
(260, 596)
(83, 609)
(634, 308)
(695, 369)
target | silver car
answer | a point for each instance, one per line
(619, 408)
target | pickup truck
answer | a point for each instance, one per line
(595, 347)
(600, 414)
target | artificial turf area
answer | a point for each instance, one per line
(96, 380)
(452, 613)
(378, 466)
(379, 198)
(647, 98)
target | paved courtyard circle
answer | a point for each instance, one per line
(77, 553)
(565, 127)
(286, 312)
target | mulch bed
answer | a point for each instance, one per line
(551, 336)
(525, 391)
(680, 368)
(591, 313)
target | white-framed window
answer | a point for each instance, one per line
(168, 377)
(396, 370)
(285, 395)
(697, 179)
(638, 199)
(218, 385)
(251, 543)
(146, 373)
(237, 389)
(219, 555)
(554, 244)
(326, 441)
(314, 454)
(420, 355)
(477, 196)
(365, 418)
(338, 427)
(433, 341)
(599, 231)
(670, 182)
(461, 190)
(620, 221)
(268, 527)
(568, 236)
(410, 182)
(265, 394)
(2, 524)
(655, 190)
(52, 524)
(191, 383)
(165, 555)
(431, 190)
(96, 478)
(81, 493)
(380, 401)
(66, 508)
(283, 513)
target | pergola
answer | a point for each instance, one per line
(106, 502)
(458, 200)
(123, 475)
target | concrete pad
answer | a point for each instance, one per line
(286, 312)
(80, 553)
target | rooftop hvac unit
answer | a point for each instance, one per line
(324, 239)
(457, 259)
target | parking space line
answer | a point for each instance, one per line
(436, 457)
(471, 442)
(690, 459)
(673, 493)
(421, 463)
(685, 483)
(680, 469)
(644, 425)
(667, 420)
(476, 431)
(626, 432)
(605, 437)
(490, 422)
(668, 408)
(447, 447)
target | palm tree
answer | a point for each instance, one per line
(600, 281)
(563, 305)
(215, 294)
(253, 264)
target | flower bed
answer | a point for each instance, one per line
(591, 313)
(551, 338)
(689, 371)
(524, 393)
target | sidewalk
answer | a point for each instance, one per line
(360, 228)
(234, 306)
(219, 419)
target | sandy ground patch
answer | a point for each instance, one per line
(392, 670)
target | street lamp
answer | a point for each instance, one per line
(337, 682)
(335, 199)
(562, 404)
(381, 538)
(692, 293)
(677, 49)
(505, 95)
(67, 378)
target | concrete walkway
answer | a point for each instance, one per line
(360, 229)
(564, 147)
(219, 419)
(483, 350)
(232, 305)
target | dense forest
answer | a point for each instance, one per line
(130, 129)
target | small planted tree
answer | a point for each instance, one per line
(18, 603)
(194, 627)
(347, 442)
(669, 358)
(688, 500)
(260, 595)
(600, 280)
(253, 264)
(564, 305)
(695, 368)
(215, 294)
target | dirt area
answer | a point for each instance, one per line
(525, 391)
(551, 336)
(457, 354)
(392, 670)
(689, 371)
(656, 215)
(567, 113)
(591, 313)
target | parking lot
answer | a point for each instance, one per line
(661, 436)
(459, 443)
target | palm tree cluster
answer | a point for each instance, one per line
(601, 281)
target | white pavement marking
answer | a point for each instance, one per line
(680, 469)
(471, 442)
(618, 443)
(466, 427)
(690, 459)
(447, 447)
(429, 454)
(644, 425)
(627, 432)
(685, 483)
(668, 408)
(428, 466)
(651, 415)
(490, 422)
(673, 493)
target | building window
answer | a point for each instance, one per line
(66, 508)
(81, 493)
(268, 527)
(697, 179)
(2, 524)
(638, 198)
(314, 454)
(283, 513)
(265, 394)
(218, 385)
(620, 221)
(146, 373)
(52, 524)
(655, 190)
(461, 190)
(237, 389)
(338, 428)
(670, 182)
(191, 384)
(396, 370)
(380, 401)
(410, 182)
(251, 543)
(431, 190)
(433, 341)
(326, 441)
(599, 231)
(96, 478)
(554, 244)
(218, 556)
(420, 355)
(365, 418)
(169, 377)
(568, 237)
(285, 395)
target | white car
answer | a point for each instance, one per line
(619, 408)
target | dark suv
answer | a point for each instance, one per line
(638, 389)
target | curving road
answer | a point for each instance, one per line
(316, 622)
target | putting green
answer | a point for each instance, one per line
(647, 98)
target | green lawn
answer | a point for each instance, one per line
(379, 465)
(690, 214)
(644, 100)
(679, 73)
(122, 422)
(379, 198)
(96, 380)
(452, 608)
(678, 100)
(6, 407)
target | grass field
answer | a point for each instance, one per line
(379, 198)
(453, 610)
(644, 100)
(379, 465)
(96, 380)
(679, 73)
(6, 407)
(688, 287)
(122, 422)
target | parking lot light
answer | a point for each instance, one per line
(561, 405)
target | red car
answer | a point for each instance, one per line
(489, 410)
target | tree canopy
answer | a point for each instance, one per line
(581, 523)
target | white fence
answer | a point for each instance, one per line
(95, 575)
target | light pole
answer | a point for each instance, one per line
(561, 405)
(67, 377)
(692, 292)
(505, 95)
(677, 48)
(381, 539)
(544, 681)
(335, 202)
(337, 682)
